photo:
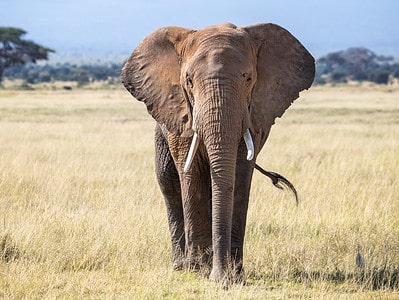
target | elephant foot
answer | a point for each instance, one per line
(199, 261)
(216, 275)
(178, 265)
(178, 262)
(238, 273)
(200, 267)
(240, 276)
(222, 277)
(228, 277)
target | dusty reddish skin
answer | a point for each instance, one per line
(218, 81)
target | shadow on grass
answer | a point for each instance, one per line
(373, 279)
(8, 250)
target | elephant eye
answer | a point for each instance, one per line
(189, 81)
(248, 78)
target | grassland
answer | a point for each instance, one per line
(81, 215)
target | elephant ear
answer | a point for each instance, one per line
(152, 75)
(284, 69)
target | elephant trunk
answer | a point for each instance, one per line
(220, 123)
(213, 107)
(195, 142)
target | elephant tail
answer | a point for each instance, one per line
(279, 181)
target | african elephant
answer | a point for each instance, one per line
(215, 94)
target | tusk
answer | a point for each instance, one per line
(191, 152)
(250, 145)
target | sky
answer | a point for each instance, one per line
(117, 26)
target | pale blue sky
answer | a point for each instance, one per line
(118, 25)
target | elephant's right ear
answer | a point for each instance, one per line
(152, 75)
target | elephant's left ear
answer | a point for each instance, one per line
(284, 69)
(152, 75)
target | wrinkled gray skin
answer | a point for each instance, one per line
(217, 82)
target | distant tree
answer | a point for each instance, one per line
(396, 71)
(44, 76)
(355, 64)
(15, 51)
(380, 76)
(80, 76)
(338, 77)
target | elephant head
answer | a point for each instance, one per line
(219, 86)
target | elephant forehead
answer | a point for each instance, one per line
(228, 57)
(220, 60)
(223, 38)
(211, 37)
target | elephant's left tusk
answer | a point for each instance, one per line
(250, 145)
(191, 152)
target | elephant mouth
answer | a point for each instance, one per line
(195, 142)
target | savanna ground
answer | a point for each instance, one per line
(81, 215)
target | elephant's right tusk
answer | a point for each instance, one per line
(191, 152)
(250, 145)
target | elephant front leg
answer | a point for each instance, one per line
(196, 194)
(244, 171)
(169, 183)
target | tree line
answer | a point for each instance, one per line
(356, 64)
(18, 59)
(82, 74)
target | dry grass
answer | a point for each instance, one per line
(81, 215)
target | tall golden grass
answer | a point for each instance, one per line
(81, 215)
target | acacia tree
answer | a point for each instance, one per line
(15, 51)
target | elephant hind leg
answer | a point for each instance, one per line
(169, 183)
